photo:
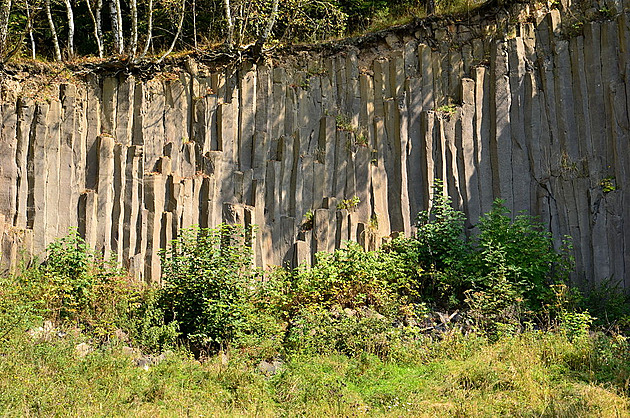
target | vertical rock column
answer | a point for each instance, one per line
(154, 192)
(8, 161)
(105, 197)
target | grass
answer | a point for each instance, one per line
(327, 360)
(530, 374)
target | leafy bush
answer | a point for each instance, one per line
(303, 20)
(351, 301)
(211, 289)
(73, 287)
(505, 275)
(608, 303)
(522, 251)
(147, 324)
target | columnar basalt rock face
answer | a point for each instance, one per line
(537, 118)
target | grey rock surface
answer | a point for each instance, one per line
(536, 117)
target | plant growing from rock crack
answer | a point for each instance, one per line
(307, 222)
(344, 123)
(349, 204)
(608, 184)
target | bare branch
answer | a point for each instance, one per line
(149, 30)
(53, 30)
(97, 25)
(179, 31)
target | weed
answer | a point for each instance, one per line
(349, 204)
(448, 109)
(360, 139)
(210, 288)
(320, 154)
(304, 84)
(307, 221)
(373, 223)
(608, 303)
(606, 13)
(608, 184)
(317, 71)
(374, 157)
(344, 123)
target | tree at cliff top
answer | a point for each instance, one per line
(133, 28)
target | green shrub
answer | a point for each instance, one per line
(505, 275)
(521, 251)
(346, 303)
(73, 287)
(432, 264)
(440, 233)
(147, 325)
(212, 290)
(608, 303)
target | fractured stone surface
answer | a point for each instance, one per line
(537, 119)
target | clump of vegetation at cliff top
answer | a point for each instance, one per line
(435, 324)
(135, 30)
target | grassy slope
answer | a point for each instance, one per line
(533, 374)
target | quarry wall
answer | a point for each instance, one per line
(535, 113)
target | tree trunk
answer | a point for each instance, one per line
(149, 30)
(260, 42)
(230, 24)
(121, 46)
(179, 31)
(134, 28)
(194, 16)
(272, 21)
(114, 21)
(70, 14)
(97, 25)
(5, 11)
(30, 28)
(116, 18)
(53, 31)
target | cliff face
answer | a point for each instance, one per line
(538, 117)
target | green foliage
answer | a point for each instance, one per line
(304, 20)
(349, 204)
(440, 234)
(307, 221)
(575, 324)
(448, 109)
(147, 325)
(205, 274)
(521, 252)
(532, 374)
(73, 286)
(505, 275)
(608, 302)
(347, 303)
(361, 139)
(352, 334)
(206, 25)
(349, 277)
(20, 305)
(211, 290)
(70, 269)
(433, 261)
(608, 184)
(344, 123)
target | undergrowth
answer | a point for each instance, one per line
(435, 324)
